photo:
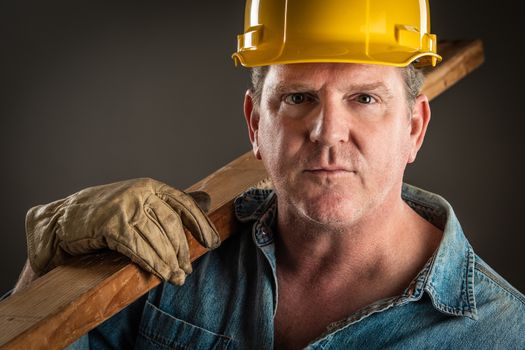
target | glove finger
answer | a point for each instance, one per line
(159, 268)
(192, 217)
(202, 199)
(156, 267)
(170, 222)
(149, 244)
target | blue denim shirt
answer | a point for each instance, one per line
(455, 302)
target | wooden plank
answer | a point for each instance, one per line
(459, 59)
(48, 314)
(73, 299)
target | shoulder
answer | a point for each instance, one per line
(203, 313)
(225, 266)
(492, 287)
(228, 273)
(215, 306)
(500, 308)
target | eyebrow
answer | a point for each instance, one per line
(283, 87)
(379, 86)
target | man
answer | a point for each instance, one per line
(341, 254)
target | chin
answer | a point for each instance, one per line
(331, 209)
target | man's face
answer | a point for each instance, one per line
(336, 138)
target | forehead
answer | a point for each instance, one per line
(333, 75)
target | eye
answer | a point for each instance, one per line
(297, 98)
(365, 99)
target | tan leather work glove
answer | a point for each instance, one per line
(141, 218)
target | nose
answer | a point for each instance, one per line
(331, 125)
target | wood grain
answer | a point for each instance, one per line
(71, 300)
(459, 59)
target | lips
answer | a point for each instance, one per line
(329, 170)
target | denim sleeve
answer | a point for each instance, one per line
(118, 332)
(80, 344)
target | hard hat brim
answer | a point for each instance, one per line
(400, 59)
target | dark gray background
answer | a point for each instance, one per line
(99, 91)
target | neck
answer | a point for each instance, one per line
(391, 242)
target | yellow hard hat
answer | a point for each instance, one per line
(388, 32)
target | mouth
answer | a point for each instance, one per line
(328, 171)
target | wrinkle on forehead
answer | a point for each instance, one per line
(343, 77)
(333, 68)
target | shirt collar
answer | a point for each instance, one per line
(448, 277)
(260, 206)
(450, 280)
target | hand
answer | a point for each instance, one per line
(142, 218)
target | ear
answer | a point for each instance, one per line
(251, 115)
(418, 125)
